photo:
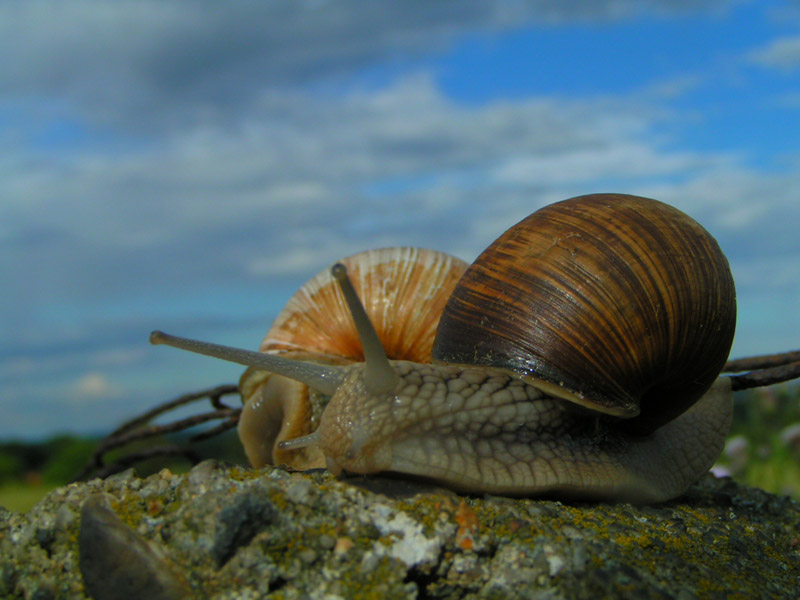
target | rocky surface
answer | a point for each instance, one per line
(229, 532)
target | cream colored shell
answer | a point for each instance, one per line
(404, 291)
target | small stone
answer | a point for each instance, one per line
(123, 477)
(343, 544)
(308, 556)
(204, 473)
(239, 522)
(155, 506)
(555, 562)
(300, 491)
(117, 563)
(65, 517)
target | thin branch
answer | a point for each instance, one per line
(766, 377)
(765, 361)
(155, 430)
(213, 393)
(137, 429)
(219, 429)
(216, 394)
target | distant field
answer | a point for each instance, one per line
(28, 471)
(20, 497)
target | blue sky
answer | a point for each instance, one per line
(187, 166)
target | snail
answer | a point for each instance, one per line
(579, 355)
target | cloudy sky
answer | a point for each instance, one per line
(187, 166)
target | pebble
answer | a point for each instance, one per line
(116, 562)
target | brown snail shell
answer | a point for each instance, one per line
(622, 304)
(403, 291)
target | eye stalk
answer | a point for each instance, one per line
(380, 377)
(323, 378)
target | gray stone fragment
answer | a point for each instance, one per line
(247, 514)
(116, 563)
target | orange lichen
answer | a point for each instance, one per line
(467, 526)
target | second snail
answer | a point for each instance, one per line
(579, 355)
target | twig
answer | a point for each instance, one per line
(764, 377)
(761, 362)
(155, 430)
(214, 394)
(137, 429)
(219, 429)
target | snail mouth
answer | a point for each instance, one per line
(355, 456)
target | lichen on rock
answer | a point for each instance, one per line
(229, 532)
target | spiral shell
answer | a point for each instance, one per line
(622, 304)
(403, 291)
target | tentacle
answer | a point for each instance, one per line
(326, 379)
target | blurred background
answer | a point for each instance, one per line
(187, 166)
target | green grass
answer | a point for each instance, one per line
(776, 477)
(770, 465)
(761, 457)
(30, 470)
(21, 497)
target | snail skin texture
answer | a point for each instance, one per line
(578, 356)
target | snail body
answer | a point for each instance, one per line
(553, 413)
(485, 431)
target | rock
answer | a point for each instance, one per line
(229, 532)
(116, 562)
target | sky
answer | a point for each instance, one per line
(188, 165)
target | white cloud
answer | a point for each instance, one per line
(303, 180)
(209, 202)
(783, 53)
(41, 360)
(735, 200)
(618, 158)
(771, 274)
(92, 387)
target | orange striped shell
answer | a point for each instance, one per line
(619, 303)
(403, 291)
